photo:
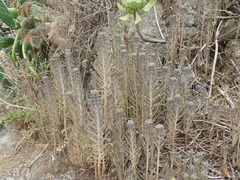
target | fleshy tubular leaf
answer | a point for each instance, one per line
(15, 48)
(6, 16)
(26, 48)
(124, 18)
(149, 5)
(6, 42)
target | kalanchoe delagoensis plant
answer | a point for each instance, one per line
(133, 6)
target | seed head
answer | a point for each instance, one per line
(187, 72)
(169, 101)
(95, 97)
(165, 70)
(134, 57)
(142, 56)
(123, 54)
(204, 174)
(148, 123)
(194, 176)
(130, 124)
(122, 150)
(178, 99)
(177, 72)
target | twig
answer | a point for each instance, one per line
(38, 156)
(18, 144)
(235, 66)
(147, 39)
(198, 53)
(226, 129)
(228, 17)
(235, 29)
(215, 57)
(12, 105)
(159, 28)
(225, 95)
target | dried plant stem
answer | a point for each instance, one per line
(148, 39)
(226, 96)
(133, 148)
(215, 57)
(147, 160)
(63, 94)
(158, 161)
(147, 141)
(38, 156)
(49, 105)
(149, 148)
(198, 54)
(77, 88)
(103, 70)
(97, 131)
(175, 127)
(159, 136)
(156, 18)
(151, 108)
(133, 154)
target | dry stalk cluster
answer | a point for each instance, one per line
(145, 114)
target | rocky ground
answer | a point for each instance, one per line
(22, 158)
(18, 157)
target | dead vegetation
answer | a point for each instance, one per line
(141, 111)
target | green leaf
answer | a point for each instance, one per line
(6, 17)
(21, 2)
(15, 48)
(14, 12)
(137, 18)
(29, 23)
(124, 2)
(120, 7)
(38, 14)
(149, 5)
(135, 6)
(124, 18)
(5, 42)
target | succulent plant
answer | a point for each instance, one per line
(133, 6)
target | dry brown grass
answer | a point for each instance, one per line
(140, 111)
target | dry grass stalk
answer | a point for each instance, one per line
(145, 84)
(98, 130)
(133, 148)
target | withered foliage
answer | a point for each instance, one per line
(139, 110)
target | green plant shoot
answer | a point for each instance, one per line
(133, 6)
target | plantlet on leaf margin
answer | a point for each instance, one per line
(133, 6)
